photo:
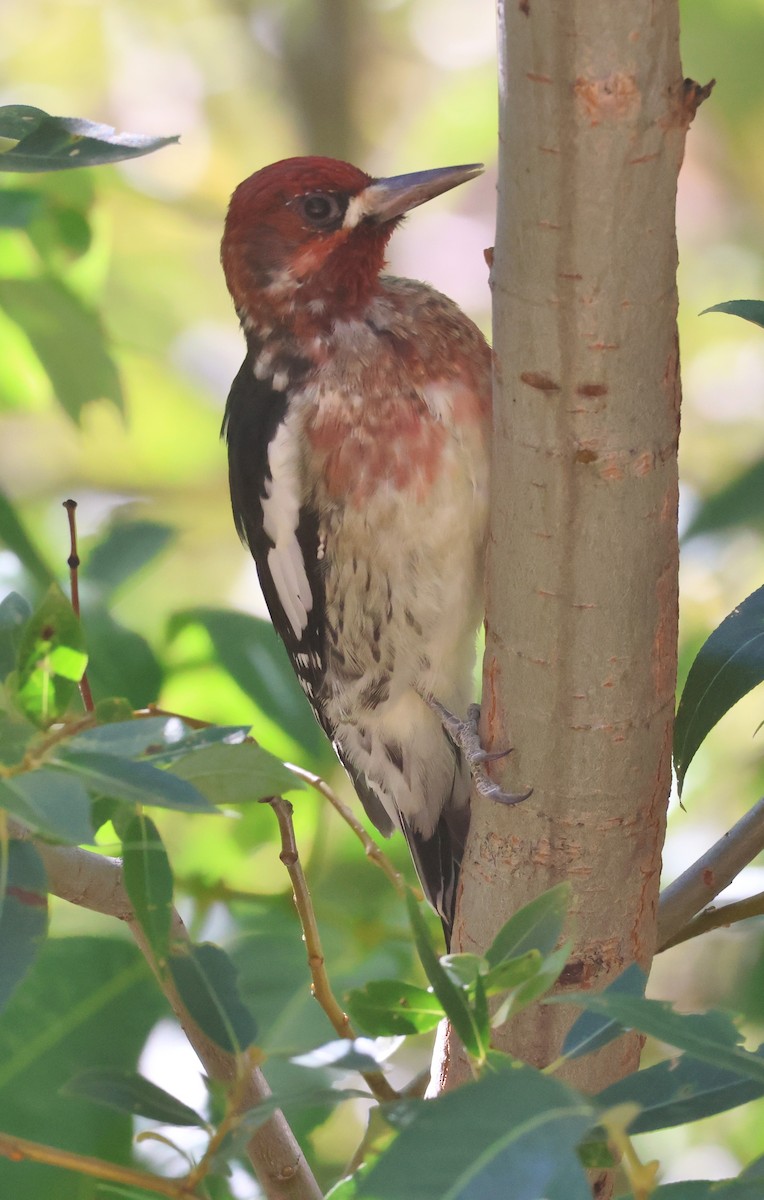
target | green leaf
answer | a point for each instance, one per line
(51, 659)
(749, 310)
(593, 1030)
(149, 882)
(127, 1092)
(679, 1091)
(198, 739)
(513, 971)
(121, 662)
(67, 338)
(23, 914)
(128, 739)
(536, 926)
(738, 503)
(16, 736)
(706, 1189)
(235, 774)
(122, 779)
(14, 614)
(51, 803)
(452, 998)
(386, 1007)
(15, 537)
(126, 548)
(542, 980)
(358, 1054)
(206, 981)
(250, 651)
(710, 1037)
(728, 665)
(18, 206)
(513, 1125)
(47, 143)
(87, 1001)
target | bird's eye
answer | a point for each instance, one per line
(321, 209)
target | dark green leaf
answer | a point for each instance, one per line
(149, 882)
(360, 1054)
(130, 1093)
(255, 658)
(536, 926)
(51, 659)
(47, 143)
(14, 614)
(126, 548)
(755, 1169)
(513, 1125)
(679, 1091)
(738, 503)
(198, 739)
(51, 803)
(129, 739)
(87, 1001)
(23, 913)
(120, 661)
(710, 1037)
(749, 310)
(123, 779)
(593, 1030)
(16, 735)
(67, 338)
(206, 981)
(15, 537)
(453, 999)
(308, 1096)
(231, 774)
(386, 1007)
(729, 664)
(18, 207)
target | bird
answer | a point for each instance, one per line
(358, 432)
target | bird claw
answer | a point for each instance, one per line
(464, 734)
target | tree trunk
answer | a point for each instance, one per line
(580, 663)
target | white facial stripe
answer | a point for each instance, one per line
(356, 210)
(281, 515)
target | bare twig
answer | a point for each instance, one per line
(19, 1149)
(322, 990)
(73, 562)
(95, 882)
(696, 887)
(719, 918)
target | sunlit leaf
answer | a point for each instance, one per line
(206, 981)
(47, 143)
(149, 882)
(728, 665)
(67, 337)
(23, 914)
(51, 659)
(128, 1092)
(385, 1007)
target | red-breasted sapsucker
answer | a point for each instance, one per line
(358, 433)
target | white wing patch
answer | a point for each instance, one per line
(281, 516)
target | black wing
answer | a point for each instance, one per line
(254, 414)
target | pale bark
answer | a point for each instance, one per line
(579, 672)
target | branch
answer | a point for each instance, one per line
(95, 882)
(322, 990)
(19, 1149)
(719, 918)
(696, 887)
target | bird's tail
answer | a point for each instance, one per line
(437, 860)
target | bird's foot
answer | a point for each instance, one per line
(464, 734)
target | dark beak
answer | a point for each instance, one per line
(385, 199)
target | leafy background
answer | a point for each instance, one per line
(122, 411)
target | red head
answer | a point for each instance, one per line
(315, 229)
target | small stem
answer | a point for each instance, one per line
(718, 918)
(322, 991)
(19, 1149)
(73, 562)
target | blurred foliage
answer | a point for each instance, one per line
(117, 347)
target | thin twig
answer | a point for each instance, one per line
(322, 990)
(95, 882)
(696, 887)
(19, 1149)
(373, 852)
(73, 562)
(719, 918)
